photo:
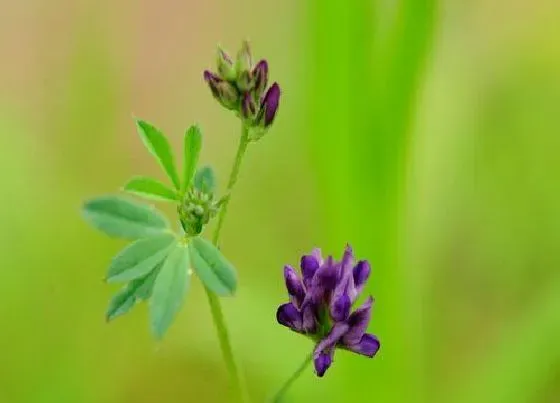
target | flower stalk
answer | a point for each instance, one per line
(286, 386)
(213, 300)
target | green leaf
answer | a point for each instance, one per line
(212, 267)
(127, 297)
(145, 285)
(193, 144)
(169, 290)
(205, 180)
(139, 258)
(157, 144)
(121, 303)
(150, 189)
(123, 218)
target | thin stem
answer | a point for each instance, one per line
(213, 300)
(280, 394)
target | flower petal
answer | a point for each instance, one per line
(340, 307)
(347, 261)
(358, 323)
(344, 293)
(324, 281)
(309, 265)
(368, 345)
(324, 351)
(361, 273)
(309, 317)
(322, 362)
(289, 316)
(294, 285)
(334, 336)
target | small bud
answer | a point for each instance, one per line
(212, 81)
(248, 107)
(244, 61)
(244, 81)
(226, 68)
(260, 79)
(222, 90)
(269, 106)
(196, 210)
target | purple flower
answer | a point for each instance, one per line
(321, 303)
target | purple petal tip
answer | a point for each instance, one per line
(369, 345)
(208, 75)
(288, 315)
(361, 272)
(322, 362)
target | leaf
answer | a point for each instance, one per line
(212, 267)
(205, 180)
(169, 290)
(127, 297)
(146, 284)
(157, 144)
(121, 303)
(139, 258)
(193, 144)
(150, 189)
(122, 218)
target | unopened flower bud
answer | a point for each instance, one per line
(244, 81)
(248, 107)
(269, 106)
(196, 210)
(226, 68)
(244, 61)
(222, 90)
(260, 79)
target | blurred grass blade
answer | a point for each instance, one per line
(123, 218)
(157, 144)
(192, 145)
(150, 189)
(524, 359)
(377, 53)
(126, 298)
(139, 258)
(205, 180)
(212, 267)
(169, 290)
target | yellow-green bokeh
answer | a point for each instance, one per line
(425, 133)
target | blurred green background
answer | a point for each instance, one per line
(424, 132)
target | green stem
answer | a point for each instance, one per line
(213, 300)
(243, 143)
(280, 394)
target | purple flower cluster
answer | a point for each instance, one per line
(321, 303)
(242, 87)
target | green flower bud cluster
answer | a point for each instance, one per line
(197, 209)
